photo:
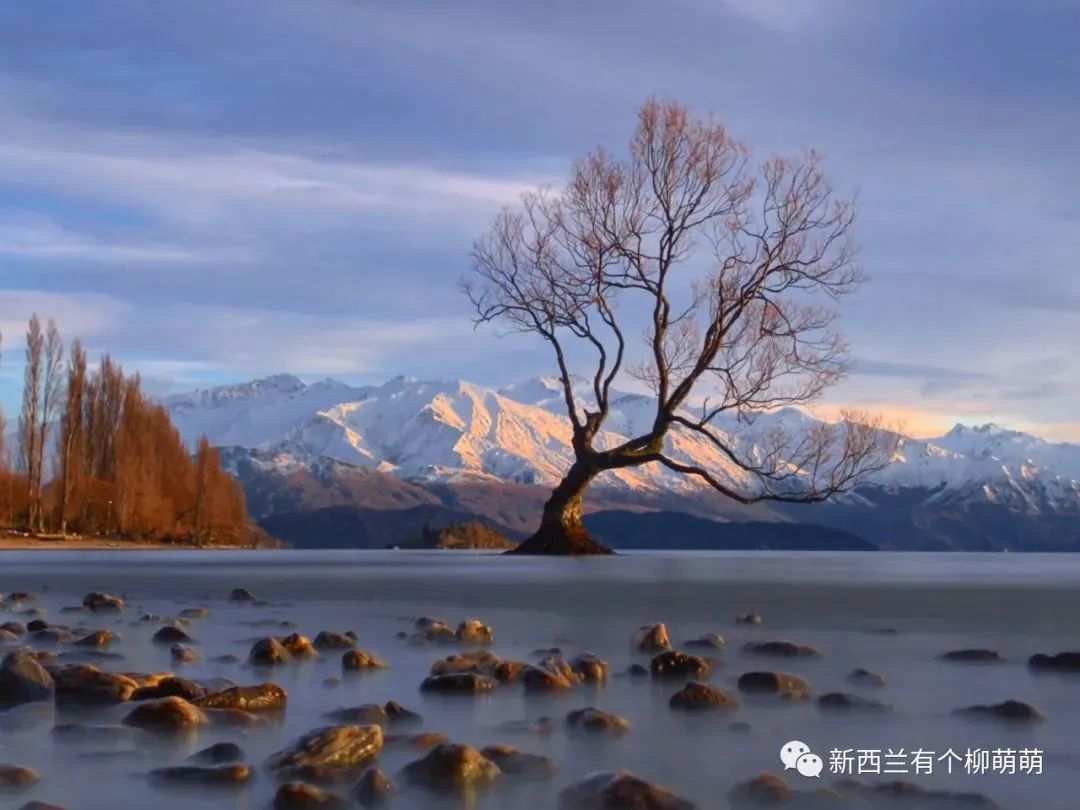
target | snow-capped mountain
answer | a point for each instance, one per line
(454, 432)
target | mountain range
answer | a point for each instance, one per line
(333, 464)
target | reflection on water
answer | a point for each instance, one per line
(840, 603)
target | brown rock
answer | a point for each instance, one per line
(651, 638)
(170, 686)
(334, 747)
(98, 639)
(780, 683)
(477, 661)
(972, 656)
(422, 741)
(520, 765)
(298, 646)
(696, 697)
(15, 779)
(85, 683)
(781, 649)
(172, 634)
(1010, 711)
(710, 641)
(459, 682)
(475, 633)
(453, 767)
(183, 655)
(24, 680)
(590, 668)
(864, 677)
(373, 789)
(620, 790)
(674, 664)
(269, 652)
(193, 775)
(334, 641)
(301, 796)
(597, 720)
(356, 660)
(103, 603)
(171, 714)
(263, 697)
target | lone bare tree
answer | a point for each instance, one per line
(734, 271)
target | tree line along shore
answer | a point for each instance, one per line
(95, 462)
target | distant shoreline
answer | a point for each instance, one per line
(75, 542)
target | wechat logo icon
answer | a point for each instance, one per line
(798, 756)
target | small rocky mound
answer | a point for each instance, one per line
(302, 796)
(620, 790)
(781, 649)
(16, 779)
(710, 641)
(698, 697)
(747, 618)
(268, 652)
(459, 683)
(99, 639)
(171, 714)
(172, 634)
(373, 789)
(241, 595)
(221, 753)
(779, 683)
(597, 720)
(1060, 662)
(85, 683)
(651, 638)
(332, 747)
(298, 646)
(972, 656)
(183, 655)
(474, 633)
(864, 677)
(103, 603)
(357, 660)
(673, 664)
(480, 661)
(452, 767)
(335, 641)
(520, 765)
(589, 668)
(842, 701)
(170, 686)
(900, 793)
(771, 790)
(1011, 711)
(260, 698)
(24, 680)
(196, 776)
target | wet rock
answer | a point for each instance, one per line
(697, 697)
(152, 618)
(85, 683)
(710, 641)
(475, 633)
(508, 671)
(739, 727)
(21, 596)
(974, 656)
(334, 641)
(221, 753)
(7, 637)
(332, 747)
(37, 625)
(637, 671)
(98, 639)
(1060, 662)
(673, 664)
(298, 646)
(170, 687)
(765, 790)
(864, 677)
(357, 660)
(589, 668)
(301, 796)
(23, 679)
(747, 618)
(780, 683)
(781, 649)
(226, 659)
(196, 776)
(103, 603)
(453, 767)
(900, 793)
(432, 631)
(477, 661)
(15, 779)
(373, 789)
(14, 628)
(259, 698)
(235, 718)
(168, 715)
(194, 613)
(651, 638)
(268, 652)
(36, 805)
(844, 702)
(554, 675)
(367, 714)
(544, 652)
(183, 655)
(459, 682)
(597, 720)
(1011, 711)
(172, 634)
(620, 790)
(51, 635)
(241, 595)
(399, 714)
(520, 765)
(425, 622)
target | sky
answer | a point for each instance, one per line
(217, 191)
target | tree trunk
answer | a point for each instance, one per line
(561, 530)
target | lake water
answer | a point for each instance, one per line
(894, 614)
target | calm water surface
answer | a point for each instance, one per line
(890, 613)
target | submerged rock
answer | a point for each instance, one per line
(1059, 662)
(674, 664)
(551, 675)
(334, 747)
(597, 720)
(219, 754)
(23, 679)
(171, 714)
(480, 661)
(259, 698)
(589, 668)
(103, 603)
(459, 682)
(357, 660)
(334, 641)
(747, 618)
(193, 775)
(781, 649)
(976, 656)
(241, 595)
(520, 765)
(183, 655)
(864, 677)
(301, 796)
(170, 686)
(373, 789)
(780, 683)
(15, 778)
(901, 793)
(842, 701)
(651, 638)
(697, 697)
(85, 683)
(298, 646)
(475, 633)
(172, 634)
(1012, 711)
(710, 641)
(269, 652)
(98, 639)
(452, 767)
(620, 790)
(422, 741)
